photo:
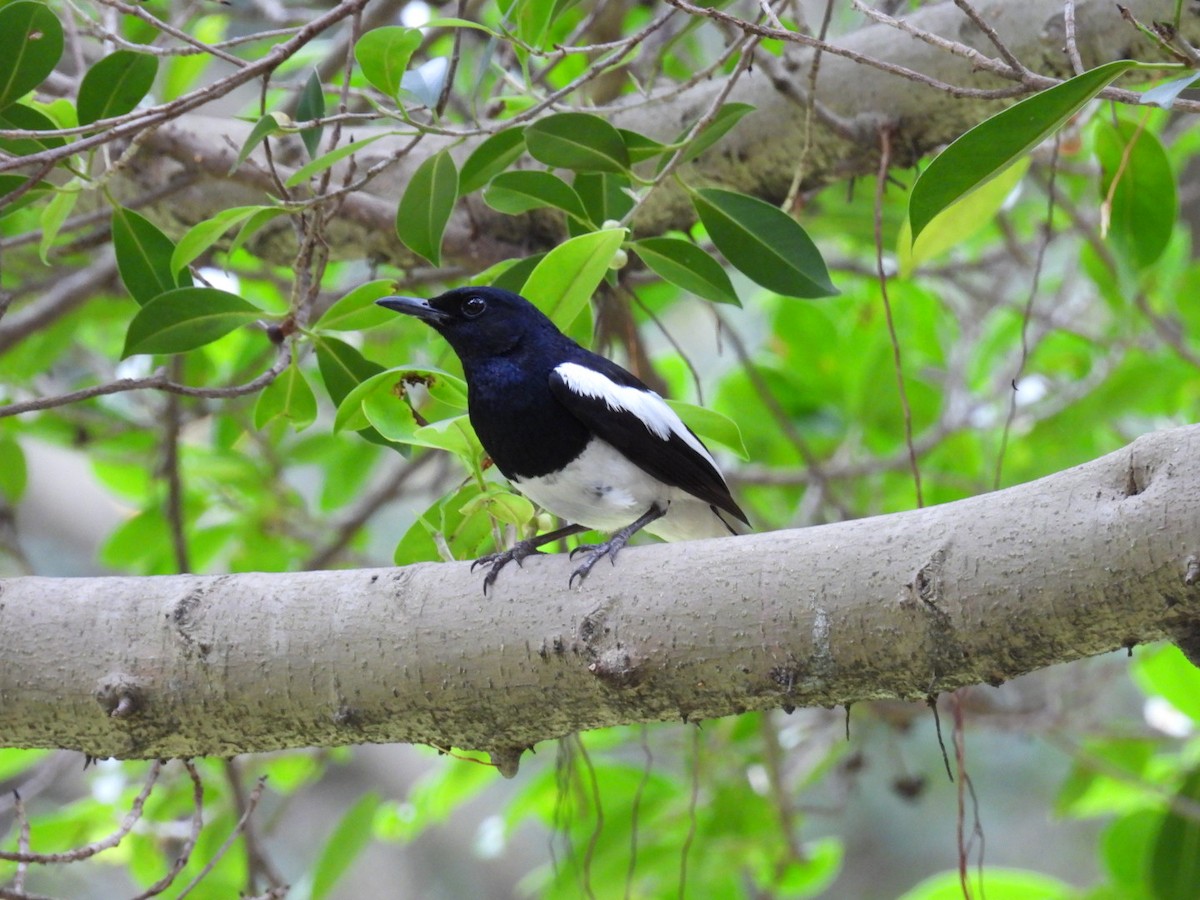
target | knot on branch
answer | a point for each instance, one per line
(120, 696)
(612, 661)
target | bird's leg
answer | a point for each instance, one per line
(613, 545)
(519, 551)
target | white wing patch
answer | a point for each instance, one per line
(649, 408)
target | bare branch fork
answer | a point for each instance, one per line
(1101, 556)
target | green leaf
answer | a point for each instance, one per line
(579, 141)
(12, 183)
(959, 221)
(712, 425)
(13, 474)
(687, 266)
(995, 884)
(605, 197)
(1144, 205)
(332, 158)
(380, 400)
(20, 117)
(289, 396)
(563, 282)
(115, 85)
(186, 318)
(383, 55)
(201, 236)
(251, 226)
(518, 192)
(311, 106)
(764, 243)
(31, 43)
(426, 206)
(639, 147)
(342, 367)
(513, 276)
(53, 216)
(727, 116)
(491, 158)
(357, 309)
(426, 81)
(349, 838)
(268, 125)
(143, 255)
(1175, 856)
(1165, 672)
(993, 145)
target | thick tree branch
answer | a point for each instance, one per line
(761, 157)
(1094, 558)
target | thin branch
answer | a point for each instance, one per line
(185, 853)
(986, 27)
(885, 161)
(89, 850)
(238, 830)
(156, 382)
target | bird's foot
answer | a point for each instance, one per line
(497, 561)
(594, 553)
(611, 547)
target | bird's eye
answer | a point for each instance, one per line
(473, 307)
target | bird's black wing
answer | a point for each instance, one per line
(619, 409)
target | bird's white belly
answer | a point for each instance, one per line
(603, 490)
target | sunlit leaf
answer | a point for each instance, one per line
(993, 145)
(31, 43)
(201, 236)
(563, 282)
(711, 426)
(186, 318)
(53, 216)
(687, 266)
(332, 158)
(764, 243)
(959, 221)
(383, 55)
(115, 85)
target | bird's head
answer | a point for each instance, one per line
(476, 321)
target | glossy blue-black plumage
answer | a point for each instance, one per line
(574, 431)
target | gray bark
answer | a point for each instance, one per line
(1101, 556)
(760, 157)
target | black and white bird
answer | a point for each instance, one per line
(574, 432)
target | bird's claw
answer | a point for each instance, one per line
(499, 560)
(595, 553)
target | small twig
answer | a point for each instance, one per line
(89, 850)
(885, 160)
(986, 27)
(240, 829)
(185, 853)
(1072, 42)
(157, 382)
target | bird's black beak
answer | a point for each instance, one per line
(413, 306)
